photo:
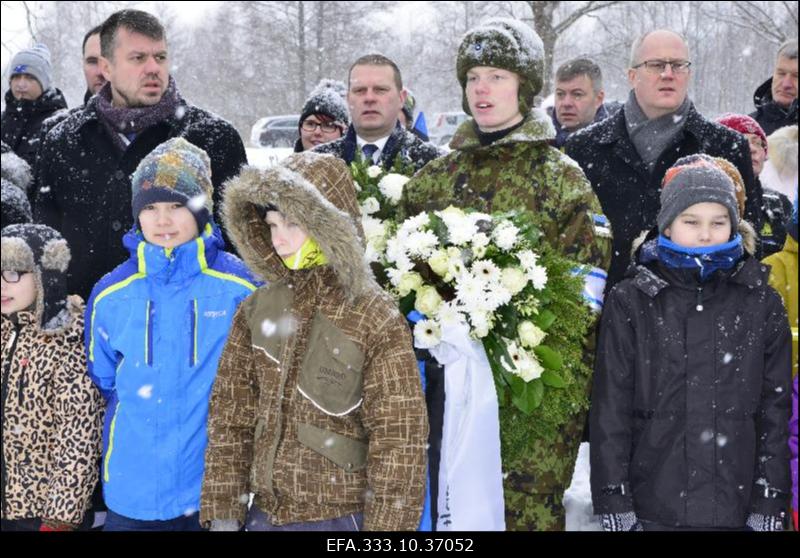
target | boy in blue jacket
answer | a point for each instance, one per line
(156, 326)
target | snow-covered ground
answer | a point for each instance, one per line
(578, 497)
(266, 157)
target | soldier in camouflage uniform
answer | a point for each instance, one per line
(502, 161)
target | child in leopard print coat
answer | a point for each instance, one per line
(51, 412)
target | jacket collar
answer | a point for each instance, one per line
(538, 127)
(171, 265)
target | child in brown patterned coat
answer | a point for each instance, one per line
(317, 407)
(51, 412)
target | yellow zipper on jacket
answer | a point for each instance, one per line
(110, 443)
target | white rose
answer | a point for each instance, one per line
(513, 279)
(428, 300)
(439, 262)
(370, 206)
(480, 324)
(529, 334)
(480, 240)
(374, 171)
(529, 368)
(451, 211)
(409, 282)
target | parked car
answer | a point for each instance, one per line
(444, 126)
(275, 131)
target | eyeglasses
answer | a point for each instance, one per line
(659, 66)
(13, 276)
(328, 128)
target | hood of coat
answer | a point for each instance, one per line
(316, 192)
(537, 127)
(783, 150)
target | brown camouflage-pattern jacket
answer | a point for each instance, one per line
(522, 171)
(317, 407)
(52, 421)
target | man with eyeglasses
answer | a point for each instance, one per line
(324, 117)
(625, 156)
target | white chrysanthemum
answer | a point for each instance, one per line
(469, 291)
(481, 324)
(449, 314)
(486, 270)
(527, 259)
(538, 277)
(394, 275)
(505, 235)
(421, 244)
(480, 240)
(392, 185)
(460, 229)
(513, 279)
(374, 171)
(427, 334)
(413, 224)
(530, 335)
(496, 297)
(370, 206)
(523, 364)
(478, 216)
(396, 254)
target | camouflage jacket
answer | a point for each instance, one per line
(523, 171)
(317, 407)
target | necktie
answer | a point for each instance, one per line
(369, 150)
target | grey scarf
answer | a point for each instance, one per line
(652, 137)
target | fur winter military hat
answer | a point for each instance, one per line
(35, 62)
(695, 180)
(507, 44)
(328, 98)
(42, 251)
(175, 171)
(16, 208)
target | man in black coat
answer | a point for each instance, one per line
(30, 100)
(375, 95)
(776, 98)
(625, 156)
(83, 175)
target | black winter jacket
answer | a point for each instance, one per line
(692, 398)
(769, 114)
(84, 181)
(409, 147)
(629, 194)
(22, 121)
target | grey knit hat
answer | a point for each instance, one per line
(507, 44)
(15, 205)
(36, 62)
(687, 184)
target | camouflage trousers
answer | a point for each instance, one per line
(534, 491)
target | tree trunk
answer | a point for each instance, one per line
(301, 51)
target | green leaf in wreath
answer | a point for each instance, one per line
(548, 357)
(544, 319)
(553, 380)
(406, 303)
(536, 389)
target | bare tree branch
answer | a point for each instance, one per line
(576, 15)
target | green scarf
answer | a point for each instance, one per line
(309, 255)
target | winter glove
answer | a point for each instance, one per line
(621, 522)
(760, 522)
(224, 525)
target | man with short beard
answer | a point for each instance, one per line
(86, 161)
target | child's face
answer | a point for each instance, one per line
(19, 295)
(287, 237)
(167, 224)
(701, 224)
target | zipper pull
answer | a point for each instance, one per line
(699, 306)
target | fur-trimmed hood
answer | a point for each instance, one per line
(41, 250)
(317, 193)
